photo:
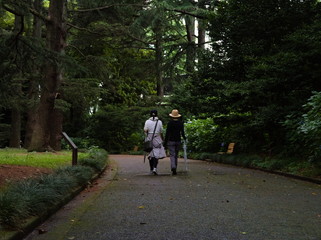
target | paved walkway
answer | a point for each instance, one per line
(209, 201)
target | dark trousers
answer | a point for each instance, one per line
(173, 148)
(153, 163)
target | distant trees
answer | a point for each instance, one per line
(262, 68)
(73, 65)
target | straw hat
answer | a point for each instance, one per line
(174, 114)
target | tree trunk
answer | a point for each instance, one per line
(15, 132)
(57, 114)
(201, 27)
(41, 136)
(56, 129)
(201, 37)
(33, 91)
(190, 50)
(159, 63)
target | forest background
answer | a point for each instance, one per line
(239, 71)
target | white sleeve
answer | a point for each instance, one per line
(146, 126)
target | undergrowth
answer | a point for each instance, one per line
(291, 166)
(37, 196)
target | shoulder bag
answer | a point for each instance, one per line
(148, 144)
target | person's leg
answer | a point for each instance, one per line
(155, 163)
(172, 155)
(177, 146)
(151, 165)
(171, 149)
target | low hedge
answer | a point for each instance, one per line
(36, 196)
(291, 166)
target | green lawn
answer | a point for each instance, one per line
(15, 156)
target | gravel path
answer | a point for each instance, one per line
(209, 201)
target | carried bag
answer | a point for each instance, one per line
(148, 144)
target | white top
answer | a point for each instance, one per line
(150, 125)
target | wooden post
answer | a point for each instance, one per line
(74, 148)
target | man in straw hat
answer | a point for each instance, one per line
(174, 133)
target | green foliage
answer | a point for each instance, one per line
(39, 195)
(258, 72)
(284, 165)
(312, 118)
(96, 160)
(47, 160)
(203, 135)
(114, 127)
(304, 131)
(81, 143)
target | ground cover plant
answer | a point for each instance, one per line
(16, 156)
(37, 196)
(284, 165)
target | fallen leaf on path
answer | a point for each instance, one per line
(42, 231)
(141, 207)
(243, 233)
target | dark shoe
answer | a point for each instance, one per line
(174, 171)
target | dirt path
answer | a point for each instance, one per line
(210, 201)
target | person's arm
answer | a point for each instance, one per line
(161, 130)
(166, 134)
(146, 129)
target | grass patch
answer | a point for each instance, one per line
(54, 160)
(37, 196)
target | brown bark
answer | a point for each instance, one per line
(190, 50)
(57, 114)
(15, 132)
(41, 136)
(33, 85)
(201, 36)
(56, 129)
(159, 63)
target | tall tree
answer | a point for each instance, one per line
(33, 85)
(46, 118)
(236, 82)
(15, 132)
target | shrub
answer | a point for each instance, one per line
(37, 196)
(304, 132)
(203, 135)
(96, 160)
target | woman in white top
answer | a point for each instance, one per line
(158, 151)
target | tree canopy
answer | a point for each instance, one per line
(250, 66)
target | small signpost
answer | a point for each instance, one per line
(73, 146)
